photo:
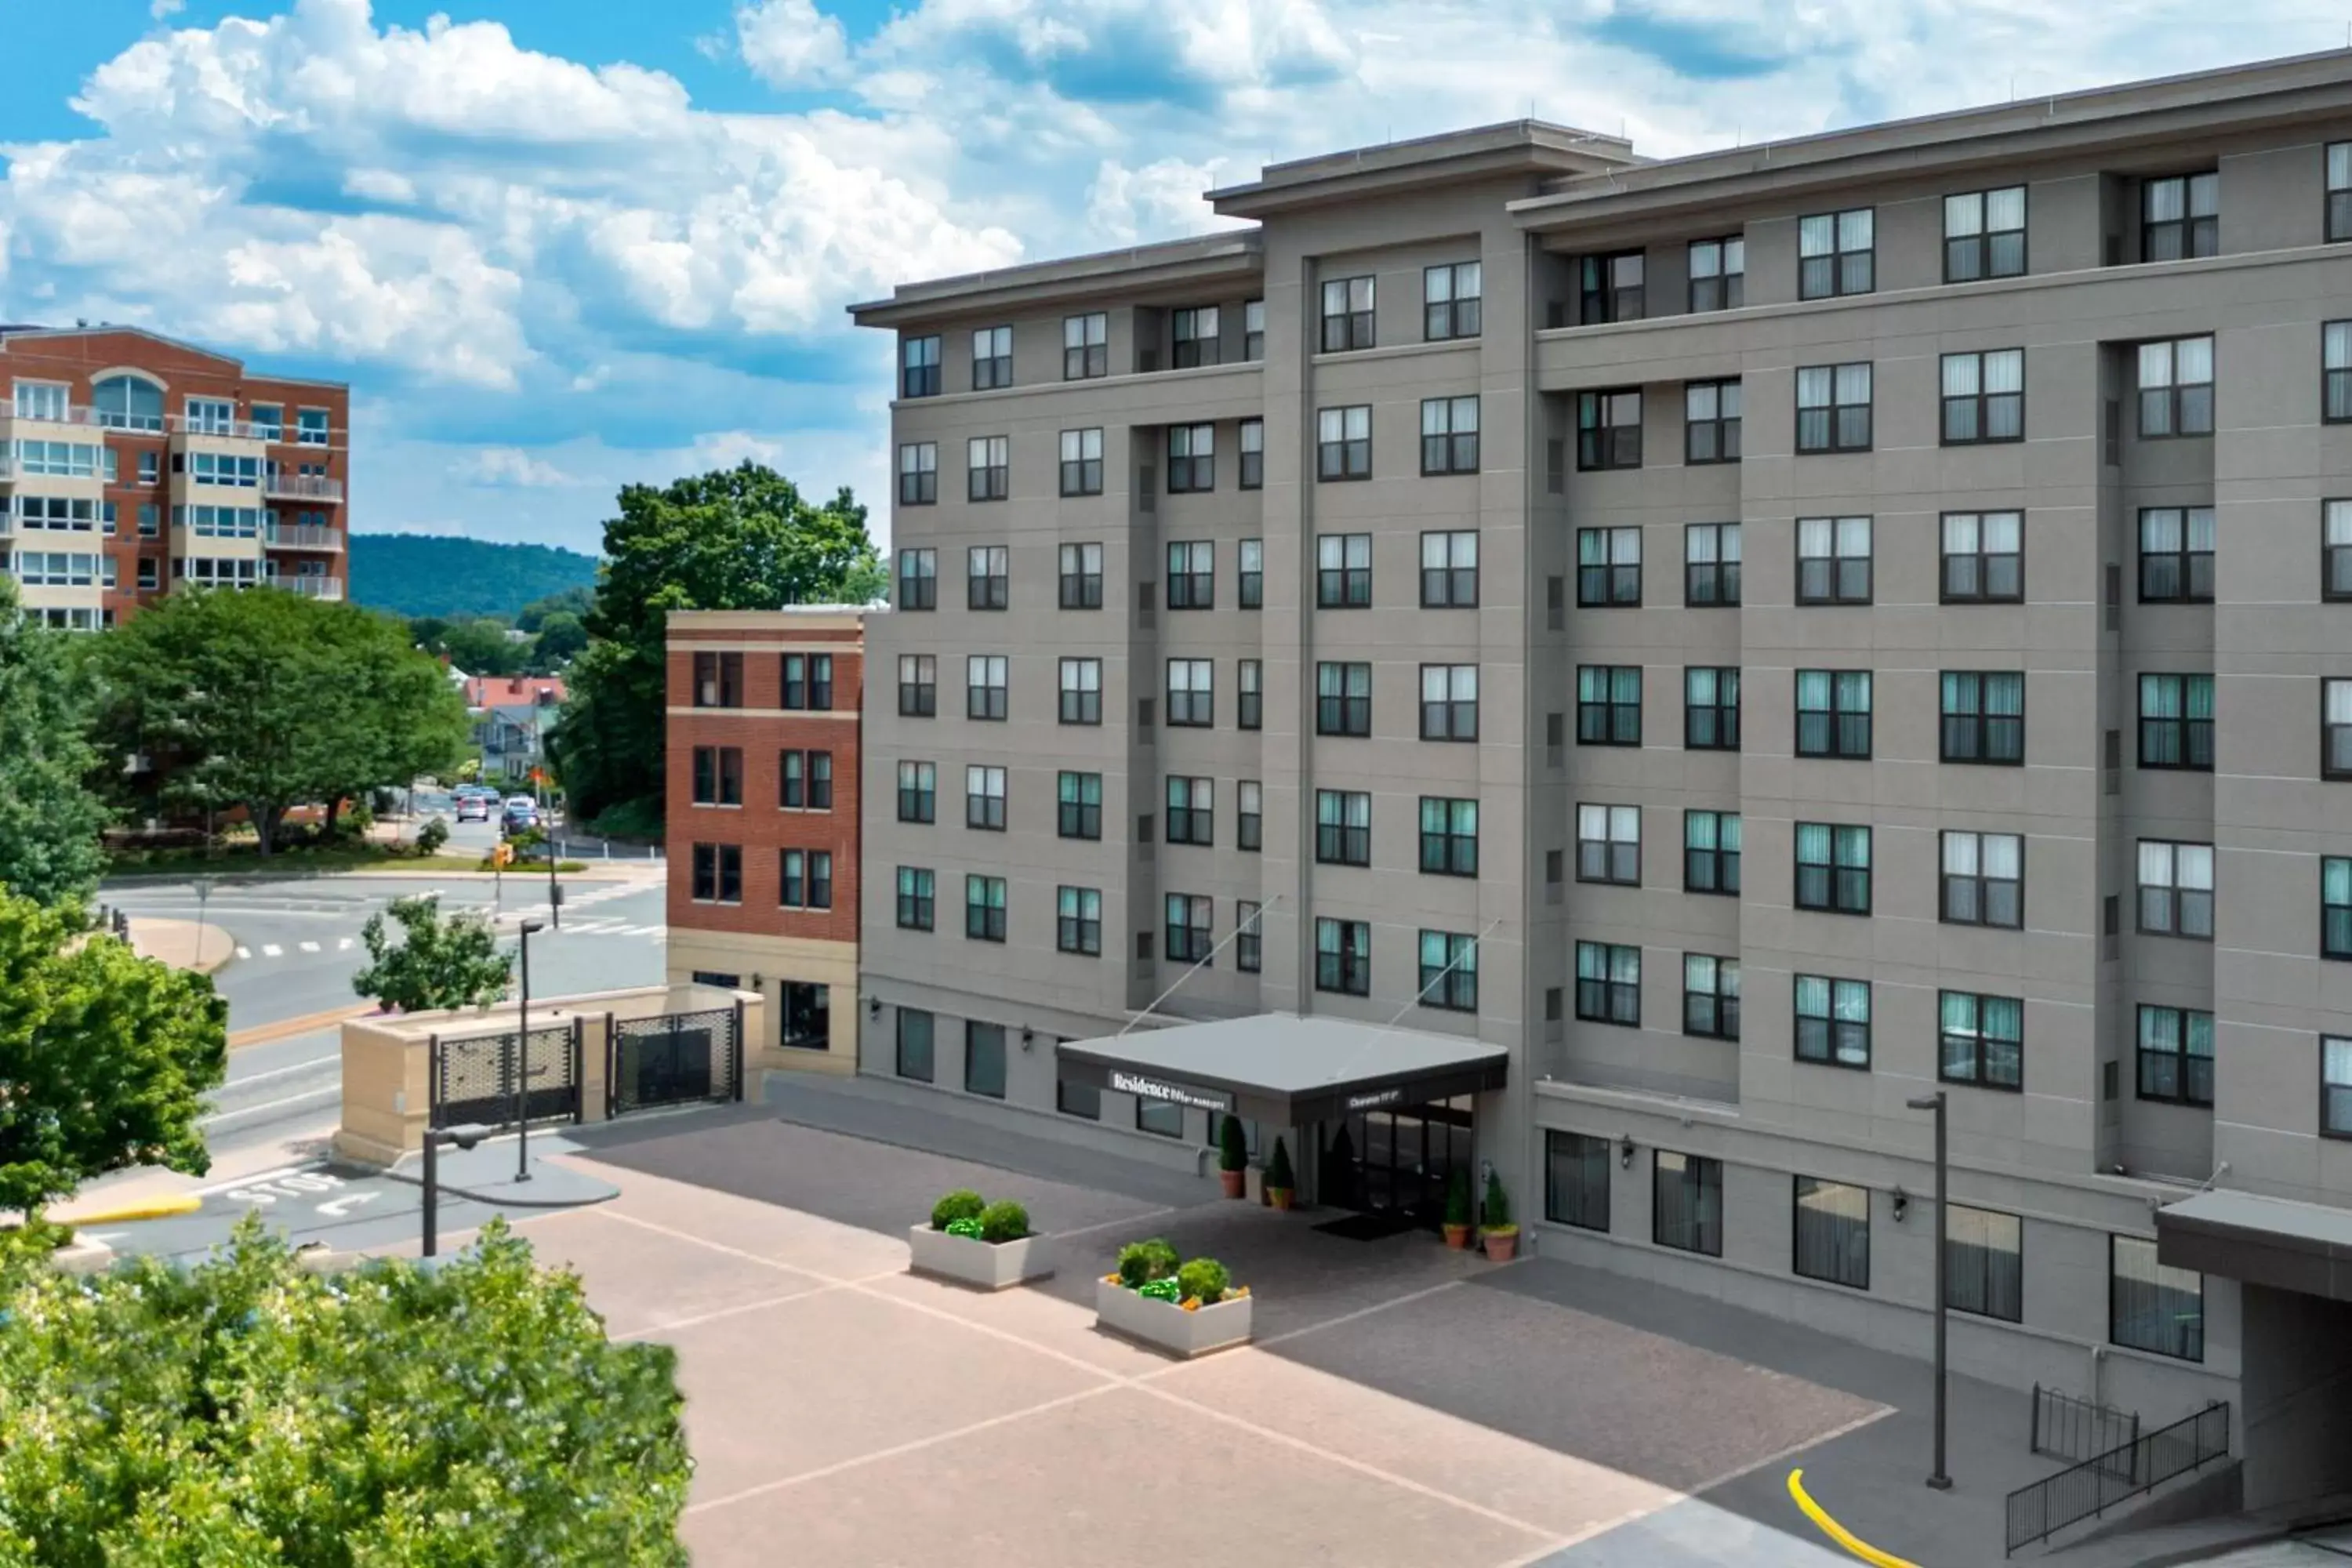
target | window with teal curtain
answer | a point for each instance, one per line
(2336, 907)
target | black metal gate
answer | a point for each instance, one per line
(675, 1058)
(474, 1078)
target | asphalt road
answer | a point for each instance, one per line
(299, 945)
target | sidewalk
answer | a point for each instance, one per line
(182, 944)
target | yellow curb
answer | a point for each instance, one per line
(1838, 1532)
(152, 1208)
(285, 1028)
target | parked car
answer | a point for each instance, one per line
(473, 808)
(521, 812)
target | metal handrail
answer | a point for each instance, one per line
(2086, 1490)
(2065, 1426)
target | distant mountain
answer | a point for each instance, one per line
(436, 574)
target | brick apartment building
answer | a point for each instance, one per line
(132, 464)
(1704, 652)
(763, 723)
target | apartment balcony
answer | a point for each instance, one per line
(301, 536)
(227, 429)
(330, 588)
(302, 486)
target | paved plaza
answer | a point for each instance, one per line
(1402, 1404)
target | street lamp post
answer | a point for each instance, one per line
(203, 895)
(522, 1060)
(464, 1137)
(1936, 1102)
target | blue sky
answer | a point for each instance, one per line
(556, 246)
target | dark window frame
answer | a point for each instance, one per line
(1712, 1012)
(1835, 878)
(1082, 475)
(1075, 931)
(918, 580)
(984, 916)
(1191, 459)
(1447, 849)
(994, 369)
(990, 478)
(917, 803)
(1447, 583)
(1838, 1041)
(1842, 729)
(918, 366)
(1711, 869)
(1609, 720)
(1608, 290)
(1712, 725)
(1343, 713)
(1349, 585)
(1603, 440)
(918, 897)
(1968, 732)
(1339, 841)
(2153, 1066)
(1602, 997)
(1603, 580)
(1713, 582)
(1980, 418)
(1074, 815)
(1345, 458)
(2182, 409)
(1450, 984)
(1354, 326)
(2182, 736)
(1608, 860)
(1721, 285)
(1713, 435)
(1450, 717)
(918, 481)
(1081, 589)
(1448, 314)
(2185, 1342)
(1190, 346)
(2183, 574)
(1978, 250)
(1074, 701)
(1446, 448)
(1343, 968)
(1970, 1055)
(1841, 424)
(1087, 358)
(1839, 1261)
(1694, 1177)
(1977, 898)
(1842, 578)
(1844, 268)
(1968, 576)
(2191, 234)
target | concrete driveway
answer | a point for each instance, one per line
(1395, 1409)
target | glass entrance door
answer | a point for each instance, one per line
(1399, 1160)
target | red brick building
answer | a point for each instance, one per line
(130, 464)
(764, 818)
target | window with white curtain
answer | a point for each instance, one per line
(1686, 1203)
(1984, 1263)
(2175, 888)
(2152, 1306)
(1832, 1226)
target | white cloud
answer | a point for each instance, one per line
(511, 467)
(1160, 200)
(790, 42)
(160, 9)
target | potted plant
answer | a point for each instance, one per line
(1185, 1309)
(988, 1246)
(1457, 1211)
(1500, 1234)
(1281, 1182)
(1233, 1157)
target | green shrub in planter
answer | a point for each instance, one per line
(962, 1204)
(1457, 1197)
(1233, 1148)
(1203, 1280)
(1498, 1205)
(1279, 1173)
(1004, 1220)
(970, 1229)
(1141, 1262)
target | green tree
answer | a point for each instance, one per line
(49, 821)
(480, 648)
(105, 1059)
(267, 701)
(451, 962)
(249, 1412)
(561, 636)
(574, 602)
(739, 539)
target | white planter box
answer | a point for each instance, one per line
(1164, 1325)
(985, 1265)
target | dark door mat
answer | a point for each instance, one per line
(1375, 1226)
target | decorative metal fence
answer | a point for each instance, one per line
(2066, 1427)
(474, 1078)
(2097, 1484)
(675, 1058)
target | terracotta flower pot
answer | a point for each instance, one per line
(1278, 1197)
(1457, 1236)
(1502, 1246)
(1233, 1181)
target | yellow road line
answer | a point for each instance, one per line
(285, 1028)
(1838, 1532)
(150, 1208)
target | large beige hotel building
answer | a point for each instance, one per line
(1670, 662)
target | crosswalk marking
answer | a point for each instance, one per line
(309, 947)
(244, 953)
(271, 950)
(344, 945)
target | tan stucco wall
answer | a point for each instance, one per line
(774, 960)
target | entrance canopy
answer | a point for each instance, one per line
(2261, 1241)
(1283, 1070)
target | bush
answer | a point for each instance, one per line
(1204, 1280)
(1233, 1148)
(1499, 1205)
(248, 1411)
(1279, 1173)
(431, 837)
(1004, 1220)
(1142, 1262)
(962, 1204)
(1457, 1197)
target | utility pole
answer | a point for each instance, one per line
(1936, 1102)
(522, 1064)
